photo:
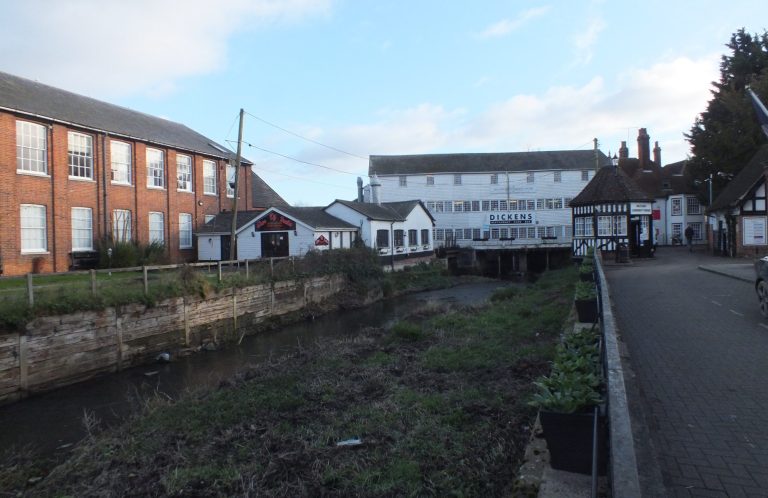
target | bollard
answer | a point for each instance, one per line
(30, 290)
(146, 281)
(93, 282)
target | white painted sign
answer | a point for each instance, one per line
(640, 208)
(511, 218)
(755, 231)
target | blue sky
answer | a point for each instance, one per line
(386, 77)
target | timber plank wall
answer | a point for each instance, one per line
(55, 351)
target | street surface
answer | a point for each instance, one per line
(699, 348)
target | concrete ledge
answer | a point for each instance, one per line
(735, 271)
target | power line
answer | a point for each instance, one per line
(305, 138)
(295, 159)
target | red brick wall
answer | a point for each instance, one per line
(59, 194)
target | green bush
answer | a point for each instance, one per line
(585, 291)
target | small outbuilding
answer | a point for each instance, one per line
(274, 233)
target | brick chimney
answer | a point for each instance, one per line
(623, 150)
(657, 155)
(644, 149)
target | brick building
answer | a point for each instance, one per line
(75, 171)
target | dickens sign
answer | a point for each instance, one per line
(511, 218)
(274, 222)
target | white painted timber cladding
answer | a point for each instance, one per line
(209, 248)
(477, 186)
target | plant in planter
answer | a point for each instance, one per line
(586, 302)
(566, 400)
(587, 270)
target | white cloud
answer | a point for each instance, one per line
(664, 98)
(506, 26)
(113, 48)
(584, 41)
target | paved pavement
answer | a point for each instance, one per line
(699, 349)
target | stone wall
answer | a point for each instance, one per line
(55, 351)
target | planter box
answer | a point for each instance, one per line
(569, 441)
(587, 277)
(586, 310)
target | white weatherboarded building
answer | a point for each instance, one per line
(489, 199)
(398, 230)
(276, 232)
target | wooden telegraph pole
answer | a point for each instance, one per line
(238, 159)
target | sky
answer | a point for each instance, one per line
(327, 83)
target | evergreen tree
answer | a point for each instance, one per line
(727, 134)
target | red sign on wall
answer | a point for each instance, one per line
(274, 222)
(657, 214)
(321, 241)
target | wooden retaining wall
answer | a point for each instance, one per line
(55, 351)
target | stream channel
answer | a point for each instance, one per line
(53, 421)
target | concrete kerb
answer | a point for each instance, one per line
(623, 470)
(727, 271)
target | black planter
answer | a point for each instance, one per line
(569, 441)
(587, 277)
(586, 309)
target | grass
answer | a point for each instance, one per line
(438, 402)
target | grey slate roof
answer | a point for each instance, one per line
(743, 182)
(29, 97)
(610, 185)
(485, 162)
(386, 211)
(317, 218)
(222, 223)
(263, 197)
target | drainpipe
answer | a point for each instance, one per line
(104, 185)
(53, 199)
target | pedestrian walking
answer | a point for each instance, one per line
(689, 237)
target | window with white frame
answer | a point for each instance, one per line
(539, 204)
(494, 205)
(82, 229)
(209, 177)
(184, 173)
(403, 181)
(155, 169)
(475, 206)
(31, 149)
(430, 180)
(458, 206)
(185, 231)
(677, 206)
(467, 206)
(457, 179)
(156, 228)
(34, 234)
(382, 238)
(604, 226)
(495, 233)
(495, 179)
(558, 177)
(399, 238)
(439, 234)
(80, 153)
(431, 206)
(585, 175)
(692, 205)
(425, 236)
(578, 227)
(557, 203)
(677, 230)
(120, 155)
(230, 181)
(503, 205)
(475, 233)
(698, 233)
(486, 205)
(121, 225)
(413, 237)
(531, 205)
(529, 178)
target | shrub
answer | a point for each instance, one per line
(585, 291)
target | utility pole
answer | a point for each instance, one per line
(238, 159)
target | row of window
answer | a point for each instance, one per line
(31, 157)
(382, 238)
(698, 232)
(530, 177)
(34, 238)
(497, 205)
(692, 206)
(607, 226)
(455, 234)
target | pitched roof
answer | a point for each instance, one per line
(316, 217)
(30, 97)
(222, 223)
(743, 182)
(386, 211)
(485, 162)
(263, 197)
(610, 184)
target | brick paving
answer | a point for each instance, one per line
(699, 348)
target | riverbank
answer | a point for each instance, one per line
(436, 403)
